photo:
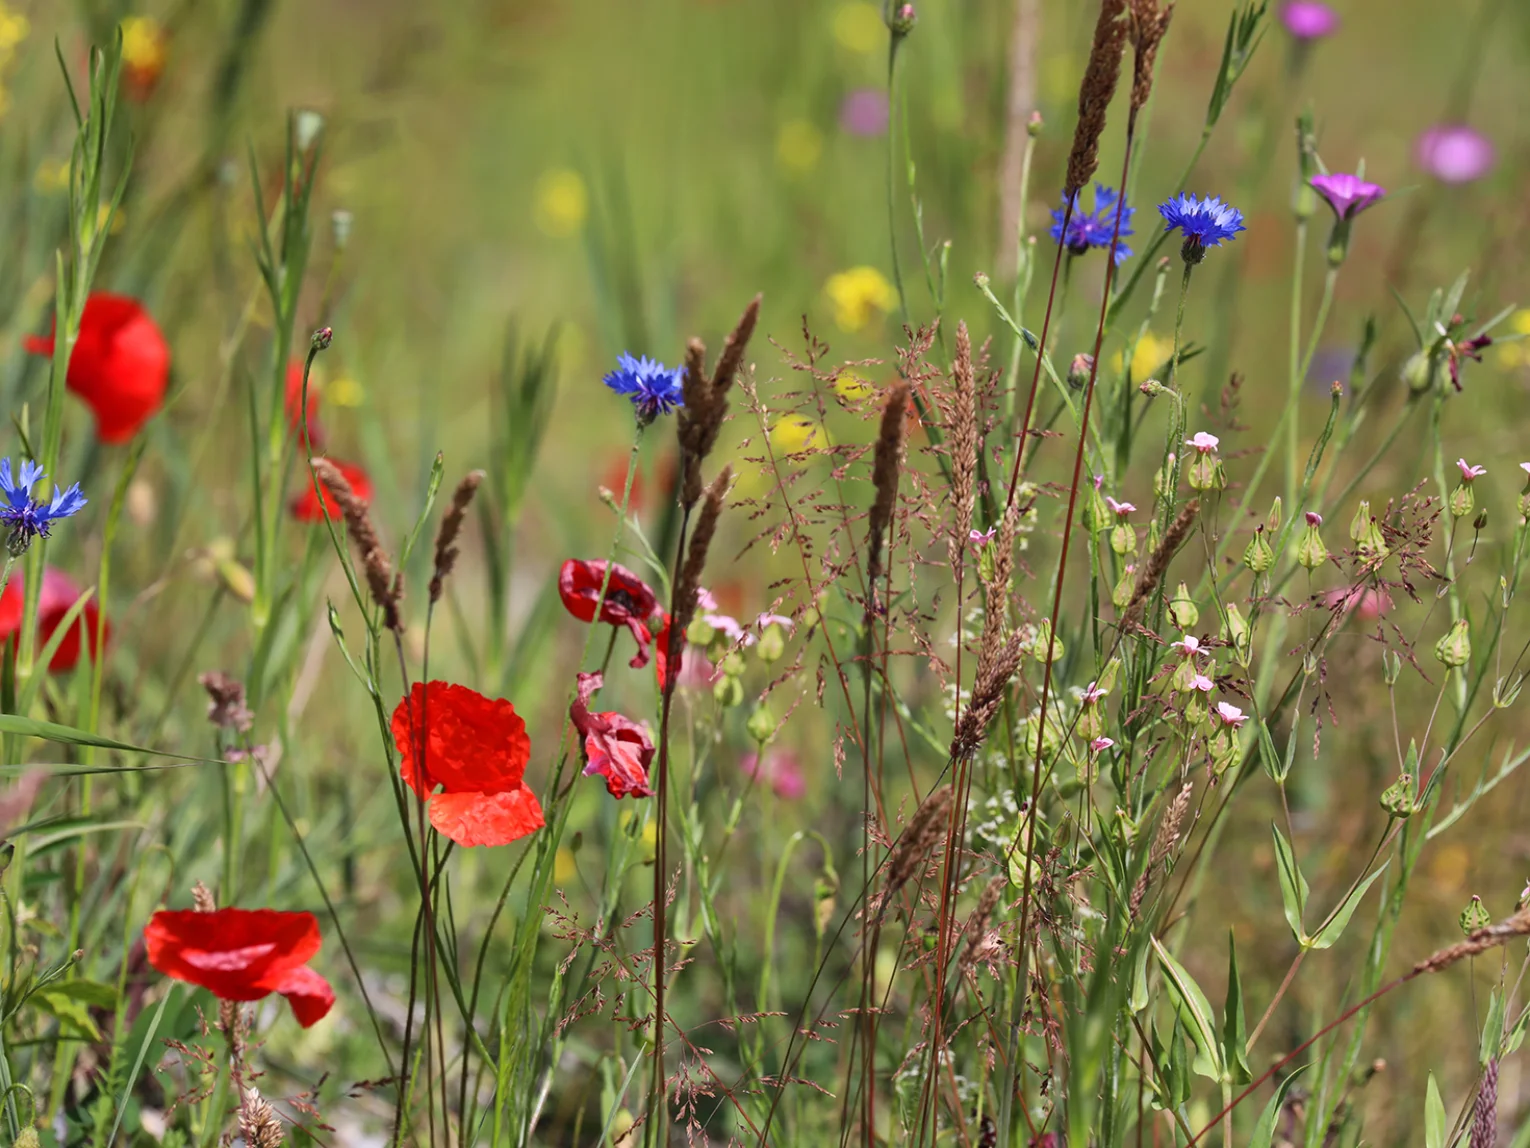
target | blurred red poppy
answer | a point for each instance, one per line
(661, 653)
(59, 593)
(305, 503)
(243, 955)
(476, 752)
(629, 602)
(295, 407)
(120, 365)
(615, 747)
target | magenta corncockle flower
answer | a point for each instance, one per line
(1469, 472)
(765, 621)
(1099, 744)
(981, 537)
(1314, 518)
(1348, 195)
(1308, 19)
(1454, 153)
(1203, 683)
(864, 112)
(1203, 442)
(1189, 645)
(1119, 509)
(1231, 715)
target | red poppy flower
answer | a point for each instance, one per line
(305, 503)
(243, 955)
(629, 602)
(661, 653)
(59, 593)
(476, 752)
(295, 407)
(615, 747)
(120, 365)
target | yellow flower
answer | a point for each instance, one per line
(143, 45)
(852, 387)
(1517, 353)
(561, 203)
(345, 392)
(793, 433)
(1150, 354)
(798, 146)
(565, 868)
(52, 176)
(856, 294)
(14, 28)
(858, 26)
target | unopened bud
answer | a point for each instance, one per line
(1475, 916)
(1079, 370)
(1033, 125)
(1391, 666)
(1462, 500)
(1046, 648)
(1235, 628)
(1310, 551)
(1455, 648)
(1126, 585)
(1480, 522)
(1419, 372)
(1152, 388)
(1258, 556)
(1398, 798)
(1273, 521)
(322, 338)
(772, 644)
(1183, 611)
(761, 725)
(981, 279)
(902, 20)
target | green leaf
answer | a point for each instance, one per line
(1492, 1029)
(72, 1013)
(1139, 994)
(1333, 928)
(1234, 1031)
(1434, 1116)
(1194, 1012)
(1264, 1131)
(1293, 886)
(1516, 1036)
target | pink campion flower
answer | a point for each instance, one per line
(1203, 683)
(1203, 442)
(1308, 19)
(1348, 195)
(1231, 716)
(1119, 509)
(1092, 693)
(1454, 153)
(982, 537)
(1314, 518)
(764, 621)
(1525, 466)
(1099, 744)
(705, 600)
(1188, 646)
(782, 770)
(1469, 472)
(729, 627)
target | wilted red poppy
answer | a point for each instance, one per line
(243, 955)
(476, 752)
(615, 747)
(120, 365)
(295, 407)
(59, 593)
(305, 503)
(629, 602)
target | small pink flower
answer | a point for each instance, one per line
(1203, 442)
(729, 628)
(704, 599)
(981, 537)
(765, 621)
(1314, 518)
(1309, 19)
(1231, 715)
(1454, 153)
(1099, 481)
(1525, 466)
(1120, 509)
(1189, 645)
(1347, 194)
(1470, 472)
(1202, 683)
(1099, 744)
(1093, 693)
(782, 770)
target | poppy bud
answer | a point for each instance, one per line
(1182, 609)
(1258, 556)
(1310, 551)
(1398, 798)
(1475, 916)
(1455, 648)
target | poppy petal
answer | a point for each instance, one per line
(486, 818)
(59, 593)
(306, 991)
(620, 752)
(232, 952)
(476, 744)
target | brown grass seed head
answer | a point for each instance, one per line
(1095, 93)
(387, 588)
(451, 526)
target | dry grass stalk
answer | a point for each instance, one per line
(923, 832)
(202, 899)
(387, 588)
(258, 1121)
(1485, 1114)
(962, 440)
(1163, 845)
(1158, 562)
(706, 400)
(1094, 95)
(977, 925)
(696, 553)
(451, 526)
(1149, 23)
(993, 673)
(1485, 938)
(885, 465)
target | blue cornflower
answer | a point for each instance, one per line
(1086, 230)
(653, 388)
(1204, 222)
(26, 517)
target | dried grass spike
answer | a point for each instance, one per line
(734, 347)
(451, 526)
(387, 590)
(1158, 562)
(1149, 23)
(884, 478)
(1485, 1114)
(962, 436)
(977, 924)
(1095, 92)
(919, 837)
(696, 552)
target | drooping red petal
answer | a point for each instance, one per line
(661, 654)
(305, 504)
(486, 818)
(231, 952)
(309, 994)
(620, 752)
(475, 744)
(59, 593)
(628, 602)
(120, 365)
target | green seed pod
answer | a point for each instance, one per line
(1475, 916)
(772, 644)
(1183, 611)
(1455, 648)
(1398, 798)
(1310, 551)
(1258, 556)
(1123, 539)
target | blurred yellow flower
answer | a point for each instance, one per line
(1150, 354)
(52, 176)
(857, 293)
(798, 146)
(1516, 354)
(14, 28)
(852, 387)
(562, 202)
(858, 26)
(345, 392)
(145, 48)
(793, 433)
(565, 868)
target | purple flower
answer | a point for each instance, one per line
(1454, 153)
(782, 770)
(1096, 230)
(1314, 518)
(653, 388)
(864, 112)
(1203, 222)
(1348, 195)
(1308, 19)
(982, 537)
(1120, 509)
(25, 516)
(1099, 744)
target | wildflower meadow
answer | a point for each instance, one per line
(837, 572)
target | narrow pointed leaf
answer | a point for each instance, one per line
(1434, 1116)
(1333, 928)
(1293, 886)
(1264, 1131)
(1234, 1031)
(1194, 1013)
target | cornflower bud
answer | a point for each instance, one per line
(1078, 370)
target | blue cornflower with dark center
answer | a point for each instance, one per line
(1086, 230)
(653, 388)
(1204, 223)
(26, 517)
